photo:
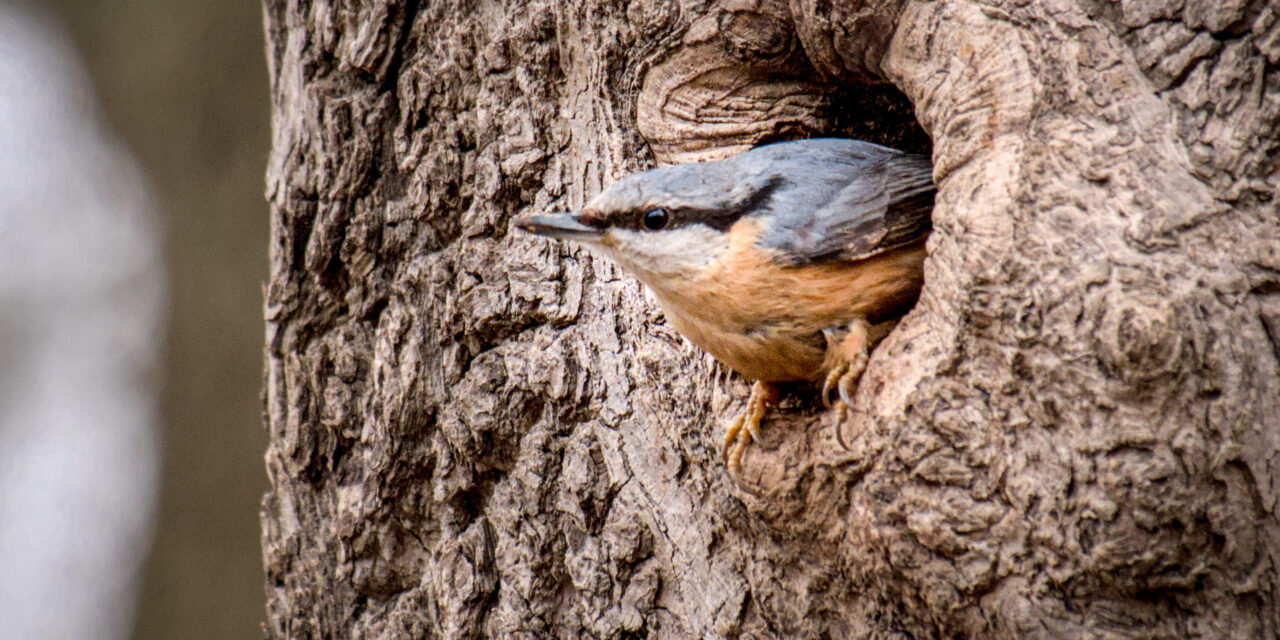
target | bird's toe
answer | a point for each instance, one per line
(834, 380)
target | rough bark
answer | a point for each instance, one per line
(481, 434)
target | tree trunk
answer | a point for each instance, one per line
(478, 433)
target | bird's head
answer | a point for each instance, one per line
(664, 225)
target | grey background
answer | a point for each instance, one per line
(183, 85)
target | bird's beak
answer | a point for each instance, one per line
(557, 225)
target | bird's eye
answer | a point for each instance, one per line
(656, 219)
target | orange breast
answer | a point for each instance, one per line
(765, 321)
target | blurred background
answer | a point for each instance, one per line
(133, 239)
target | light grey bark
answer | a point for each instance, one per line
(478, 433)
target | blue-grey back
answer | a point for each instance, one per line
(838, 199)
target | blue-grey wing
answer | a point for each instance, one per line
(848, 200)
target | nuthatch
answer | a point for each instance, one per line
(786, 262)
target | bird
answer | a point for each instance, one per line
(786, 262)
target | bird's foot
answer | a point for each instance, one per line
(746, 427)
(846, 360)
(844, 380)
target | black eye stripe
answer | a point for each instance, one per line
(640, 219)
(718, 219)
(677, 217)
(750, 199)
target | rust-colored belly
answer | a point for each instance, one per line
(765, 321)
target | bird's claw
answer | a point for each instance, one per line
(745, 429)
(833, 379)
(843, 378)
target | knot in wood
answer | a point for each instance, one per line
(751, 35)
(847, 39)
(652, 18)
(1140, 338)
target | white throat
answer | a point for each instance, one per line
(662, 259)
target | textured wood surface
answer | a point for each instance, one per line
(477, 433)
